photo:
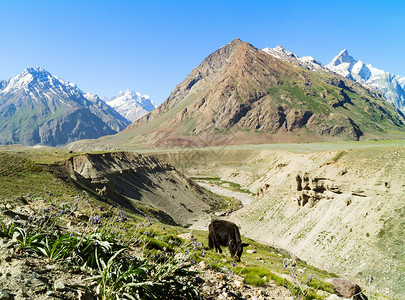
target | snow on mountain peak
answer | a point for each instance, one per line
(392, 86)
(35, 70)
(342, 57)
(283, 54)
(131, 105)
(35, 79)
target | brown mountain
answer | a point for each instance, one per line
(242, 95)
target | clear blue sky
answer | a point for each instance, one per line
(150, 46)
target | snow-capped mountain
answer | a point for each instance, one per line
(307, 62)
(132, 105)
(392, 86)
(39, 108)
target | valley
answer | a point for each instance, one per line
(336, 206)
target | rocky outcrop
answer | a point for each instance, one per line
(310, 190)
(134, 180)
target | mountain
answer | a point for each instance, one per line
(131, 105)
(242, 95)
(39, 108)
(392, 86)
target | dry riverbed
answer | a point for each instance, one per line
(244, 198)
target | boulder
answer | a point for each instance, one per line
(347, 288)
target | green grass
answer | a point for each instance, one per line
(258, 275)
(20, 176)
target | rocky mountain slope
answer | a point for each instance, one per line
(132, 105)
(39, 108)
(339, 210)
(136, 181)
(307, 62)
(240, 94)
(392, 86)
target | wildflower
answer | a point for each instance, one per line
(203, 253)
(292, 274)
(285, 263)
(16, 218)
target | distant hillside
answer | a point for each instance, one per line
(242, 95)
(39, 108)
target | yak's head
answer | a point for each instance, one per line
(236, 249)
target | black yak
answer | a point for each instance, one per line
(225, 233)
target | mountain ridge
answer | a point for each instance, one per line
(240, 94)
